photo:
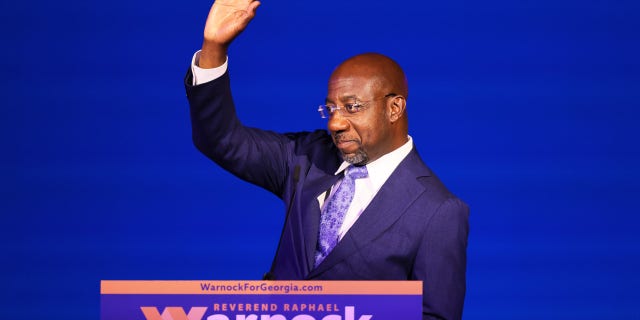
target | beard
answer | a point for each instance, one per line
(360, 157)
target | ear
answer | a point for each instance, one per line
(396, 107)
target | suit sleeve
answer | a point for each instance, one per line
(257, 156)
(442, 260)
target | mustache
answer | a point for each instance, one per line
(340, 137)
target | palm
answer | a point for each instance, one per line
(227, 19)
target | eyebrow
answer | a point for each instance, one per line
(343, 98)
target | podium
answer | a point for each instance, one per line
(260, 300)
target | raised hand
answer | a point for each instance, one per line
(226, 20)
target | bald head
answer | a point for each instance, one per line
(378, 68)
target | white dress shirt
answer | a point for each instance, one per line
(201, 75)
(366, 188)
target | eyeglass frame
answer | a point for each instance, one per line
(359, 105)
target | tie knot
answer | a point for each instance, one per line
(354, 172)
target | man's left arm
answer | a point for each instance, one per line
(441, 261)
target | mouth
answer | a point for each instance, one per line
(346, 145)
(342, 144)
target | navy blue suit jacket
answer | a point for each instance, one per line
(413, 229)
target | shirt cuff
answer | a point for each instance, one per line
(201, 75)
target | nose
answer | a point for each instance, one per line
(337, 122)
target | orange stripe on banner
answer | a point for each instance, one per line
(235, 287)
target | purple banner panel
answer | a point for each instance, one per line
(261, 300)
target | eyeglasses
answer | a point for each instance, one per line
(347, 109)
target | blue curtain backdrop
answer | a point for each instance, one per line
(527, 110)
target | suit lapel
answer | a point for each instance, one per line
(316, 183)
(391, 201)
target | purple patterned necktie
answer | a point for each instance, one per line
(335, 210)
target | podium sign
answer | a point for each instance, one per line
(261, 300)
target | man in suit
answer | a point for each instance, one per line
(360, 202)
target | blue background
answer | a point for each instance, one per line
(527, 110)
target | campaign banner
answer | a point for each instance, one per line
(260, 300)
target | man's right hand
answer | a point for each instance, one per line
(227, 19)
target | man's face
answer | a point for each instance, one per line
(363, 136)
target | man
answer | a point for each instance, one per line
(360, 202)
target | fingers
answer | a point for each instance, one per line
(227, 19)
(253, 6)
(245, 16)
(251, 10)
